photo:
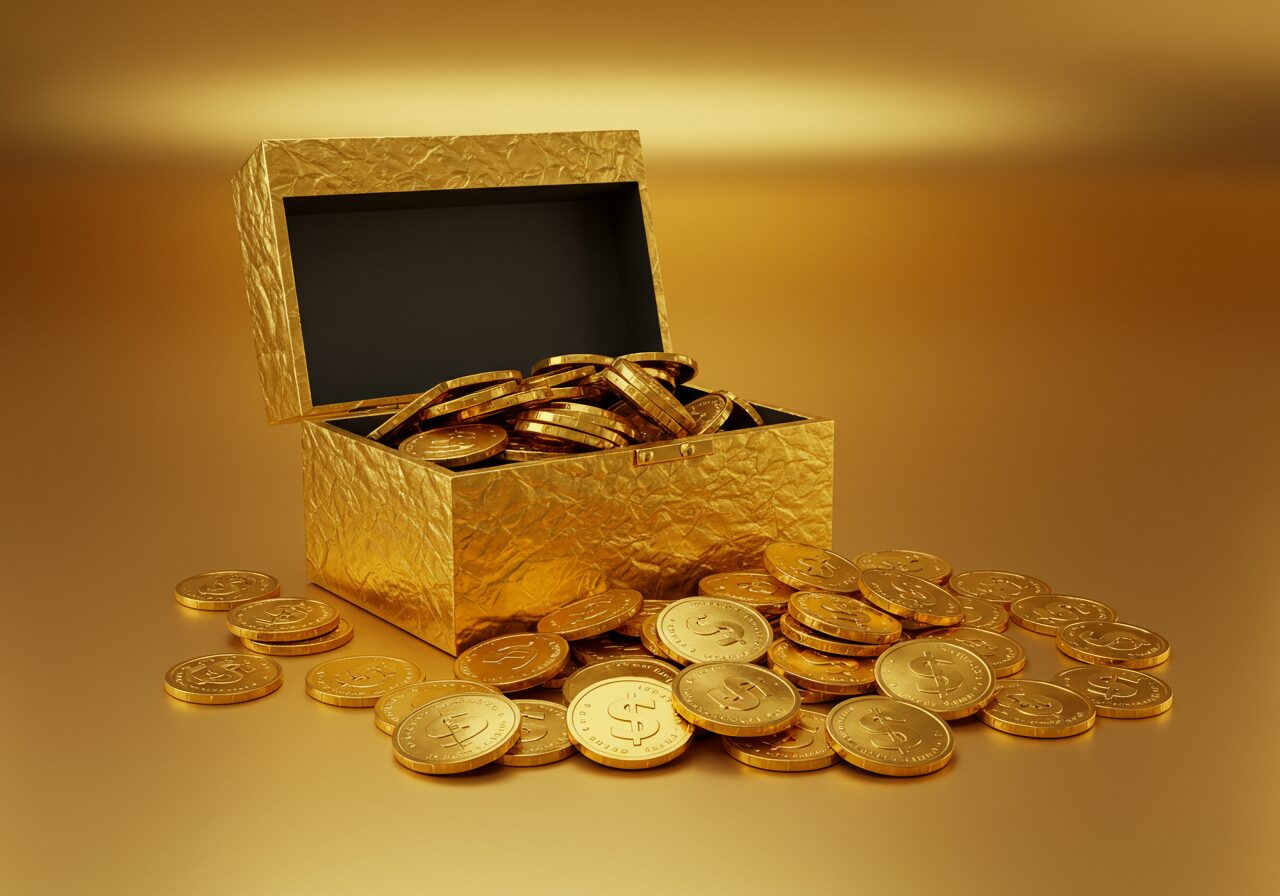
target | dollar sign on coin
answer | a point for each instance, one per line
(891, 733)
(460, 726)
(737, 693)
(218, 673)
(818, 567)
(591, 609)
(1114, 685)
(841, 615)
(1115, 640)
(1028, 704)
(799, 736)
(729, 632)
(936, 679)
(530, 730)
(518, 654)
(639, 724)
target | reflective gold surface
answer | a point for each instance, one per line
(1061, 365)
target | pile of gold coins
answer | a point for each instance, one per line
(900, 646)
(568, 404)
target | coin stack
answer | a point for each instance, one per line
(567, 404)
(265, 624)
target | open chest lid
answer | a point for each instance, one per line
(378, 267)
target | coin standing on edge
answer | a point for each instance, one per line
(225, 590)
(359, 681)
(1001, 588)
(394, 707)
(807, 568)
(628, 723)
(1118, 693)
(801, 747)
(319, 644)
(592, 615)
(223, 678)
(456, 734)
(889, 737)
(282, 619)
(1113, 644)
(544, 735)
(514, 662)
(737, 699)
(703, 629)
(1038, 709)
(950, 681)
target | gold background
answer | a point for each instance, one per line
(1024, 256)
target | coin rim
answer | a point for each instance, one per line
(863, 636)
(315, 631)
(310, 647)
(1093, 659)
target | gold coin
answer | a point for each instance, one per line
(1118, 693)
(519, 399)
(744, 414)
(903, 594)
(822, 672)
(282, 619)
(682, 368)
(629, 668)
(1113, 644)
(222, 678)
(889, 737)
(801, 747)
(644, 429)
(1038, 709)
(913, 563)
(592, 615)
(403, 420)
(984, 614)
(608, 647)
(394, 707)
(628, 723)
(803, 635)
(564, 434)
(998, 587)
(648, 608)
(638, 388)
(948, 680)
(456, 733)
(1004, 655)
(514, 662)
(456, 446)
(755, 588)
(359, 680)
(225, 590)
(557, 378)
(577, 422)
(652, 642)
(617, 422)
(468, 401)
(844, 617)
(709, 412)
(807, 568)
(544, 735)
(562, 362)
(319, 644)
(705, 629)
(1046, 613)
(735, 698)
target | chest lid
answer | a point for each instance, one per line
(378, 267)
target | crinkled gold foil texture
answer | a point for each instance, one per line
(458, 557)
(378, 531)
(281, 168)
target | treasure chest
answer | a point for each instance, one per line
(376, 268)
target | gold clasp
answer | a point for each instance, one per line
(661, 454)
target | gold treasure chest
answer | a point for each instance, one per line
(376, 268)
